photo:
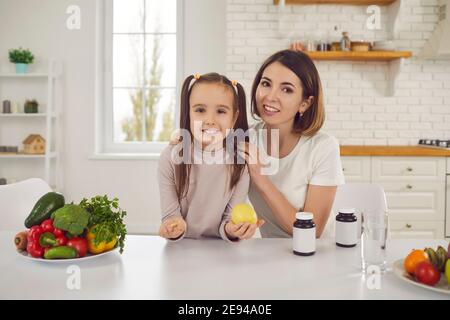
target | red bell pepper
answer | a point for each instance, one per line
(35, 250)
(58, 232)
(44, 236)
(47, 225)
(33, 246)
(79, 244)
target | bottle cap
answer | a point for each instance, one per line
(347, 210)
(304, 216)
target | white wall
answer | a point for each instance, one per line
(359, 111)
(41, 26)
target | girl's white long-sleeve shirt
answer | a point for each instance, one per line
(208, 203)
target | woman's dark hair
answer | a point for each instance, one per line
(302, 65)
(183, 170)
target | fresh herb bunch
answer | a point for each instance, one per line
(21, 56)
(106, 219)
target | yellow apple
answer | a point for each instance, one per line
(243, 212)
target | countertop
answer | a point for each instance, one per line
(403, 151)
(151, 268)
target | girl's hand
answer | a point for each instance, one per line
(254, 158)
(172, 228)
(242, 231)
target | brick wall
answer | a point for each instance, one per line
(359, 107)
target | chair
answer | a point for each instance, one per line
(361, 196)
(17, 200)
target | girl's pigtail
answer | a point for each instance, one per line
(241, 121)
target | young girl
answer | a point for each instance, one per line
(196, 195)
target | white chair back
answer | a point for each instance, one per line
(17, 200)
(361, 196)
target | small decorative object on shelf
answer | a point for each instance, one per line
(6, 106)
(31, 106)
(15, 108)
(9, 149)
(360, 46)
(2, 181)
(22, 58)
(34, 144)
(345, 42)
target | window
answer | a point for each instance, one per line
(139, 84)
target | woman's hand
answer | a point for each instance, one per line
(172, 228)
(242, 231)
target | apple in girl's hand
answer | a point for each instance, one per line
(243, 212)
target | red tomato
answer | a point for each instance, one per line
(427, 273)
(79, 244)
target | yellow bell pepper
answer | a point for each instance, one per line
(100, 247)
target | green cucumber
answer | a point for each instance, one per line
(44, 208)
(63, 252)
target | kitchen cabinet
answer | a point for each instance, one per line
(416, 229)
(356, 169)
(415, 190)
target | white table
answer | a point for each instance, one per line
(151, 268)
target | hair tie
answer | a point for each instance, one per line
(197, 76)
(234, 83)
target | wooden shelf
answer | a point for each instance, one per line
(344, 2)
(7, 155)
(26, 75)
(358, 56)
(405, 151)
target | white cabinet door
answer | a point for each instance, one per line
(356, 169)
(412, 200)
(416, 229)
(408, 169)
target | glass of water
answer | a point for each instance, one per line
(373, 241)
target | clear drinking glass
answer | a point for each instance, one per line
(373, 240)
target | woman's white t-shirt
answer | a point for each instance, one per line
(314, 160)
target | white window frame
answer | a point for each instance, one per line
(104, 141)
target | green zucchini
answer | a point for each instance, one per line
(44, 208)
(63, 252)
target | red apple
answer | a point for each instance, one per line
(426, 273)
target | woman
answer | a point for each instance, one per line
(287, 97)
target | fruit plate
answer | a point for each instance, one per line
(88, 256)
(442, 286)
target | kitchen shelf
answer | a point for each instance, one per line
(26, 75)
(25, 115)
(49, 164)
(358, 56)
(25, 156)
(348, 2)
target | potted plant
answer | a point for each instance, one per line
(31, 106)
(22, 58)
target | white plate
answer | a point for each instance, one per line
(88, 256)
(442, 286)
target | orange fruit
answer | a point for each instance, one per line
(413, 259)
